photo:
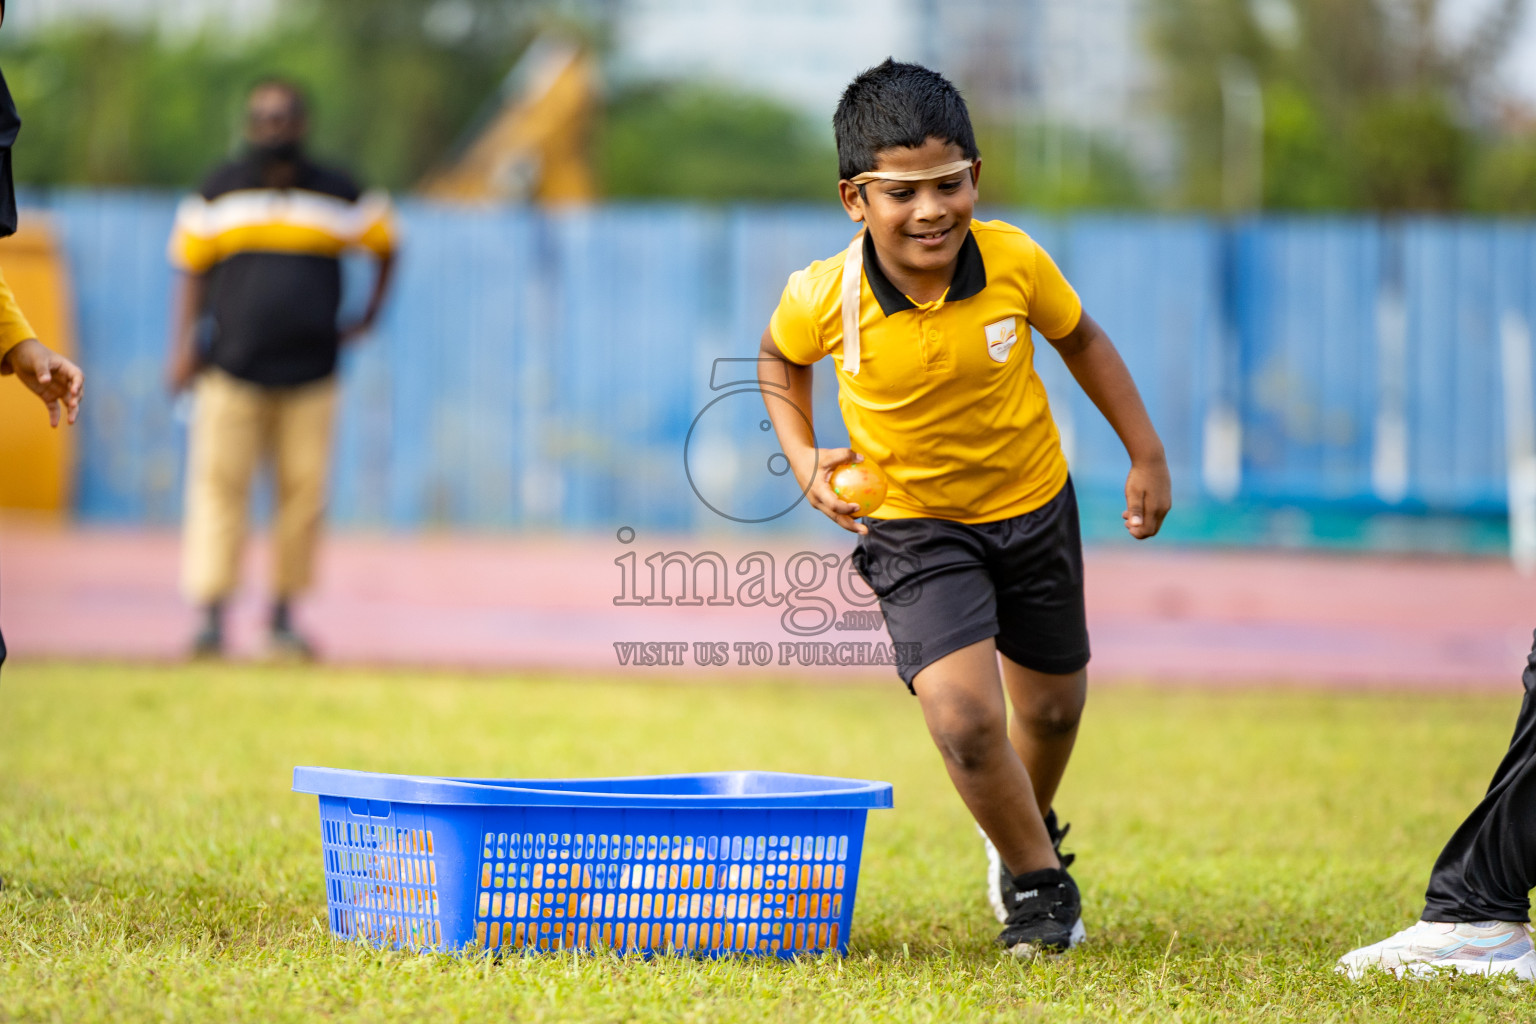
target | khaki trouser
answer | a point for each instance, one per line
(235, 426)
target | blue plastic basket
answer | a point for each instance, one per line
(713, 864)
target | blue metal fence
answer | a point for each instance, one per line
(544, 369)
(1303, 302)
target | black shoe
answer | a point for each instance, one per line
(1000, 880)
(287, 645)
(208, 641)
(1045, 916)
(208, 644)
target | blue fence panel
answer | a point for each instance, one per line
(1514, 245)
(129, 442)
(428, 428)
(1152, 284)
(1454, 381)
(633, 313)
(1305, 310)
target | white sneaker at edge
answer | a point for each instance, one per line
(1480, 947)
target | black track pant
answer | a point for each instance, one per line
(1487, 870)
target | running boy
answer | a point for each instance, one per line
(975, 552)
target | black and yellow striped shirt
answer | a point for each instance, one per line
(272, 259)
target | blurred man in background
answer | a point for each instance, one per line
(255, 334)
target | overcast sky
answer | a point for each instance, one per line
(1518, 69)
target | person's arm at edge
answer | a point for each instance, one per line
(1101, 373)
(184, 360)
(380, 239)
(811, 466)
(381, 283)
(54, 379)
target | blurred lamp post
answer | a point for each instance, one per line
(1242, 191)
(1242, 138)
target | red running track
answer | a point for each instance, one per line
(1156, 613)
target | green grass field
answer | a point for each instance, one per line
(1230, 845)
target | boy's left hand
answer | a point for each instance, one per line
(1148, 497)
(54, 379)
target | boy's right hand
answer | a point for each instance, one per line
(181, 370)
(813, 468)
(51, 377)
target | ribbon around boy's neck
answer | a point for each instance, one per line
(925, 174)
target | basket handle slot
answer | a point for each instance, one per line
(369, 808)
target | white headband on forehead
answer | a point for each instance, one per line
(926, 174)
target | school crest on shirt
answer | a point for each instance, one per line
(1001, 338)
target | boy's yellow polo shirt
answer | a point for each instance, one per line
(14, 328)
(946, 400)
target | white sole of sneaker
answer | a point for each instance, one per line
(1029, 950)
(994, 889)
(1523, 968)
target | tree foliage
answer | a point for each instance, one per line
(395, 84)
(1367, 104)
(104, 104)
(704, 142)
(1052, 166)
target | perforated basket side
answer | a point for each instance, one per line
(709, 883)
(383, 874)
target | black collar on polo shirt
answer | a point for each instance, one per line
(970, 277)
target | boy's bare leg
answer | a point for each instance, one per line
(1043, 725)
(962, 699)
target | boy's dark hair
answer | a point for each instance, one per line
(895, 104)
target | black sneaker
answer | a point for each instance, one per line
(208, 641)
(286, 645)
(1000, 881)
(1045, 915)
(207, 644)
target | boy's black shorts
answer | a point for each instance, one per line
(945, 585)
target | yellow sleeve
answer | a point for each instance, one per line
(793, 326)
(14, 328)
(193, 247)
(378, 234)
(1054, 308)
